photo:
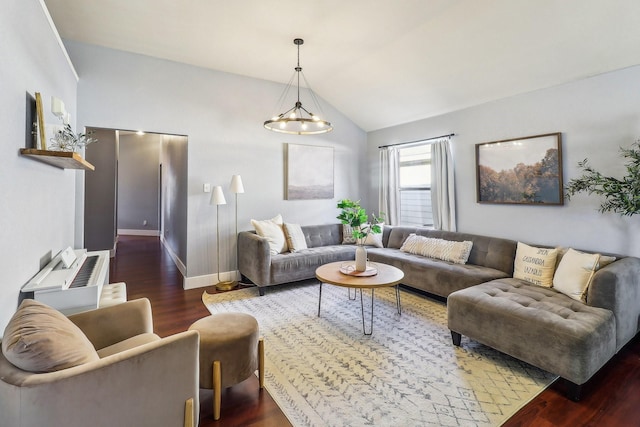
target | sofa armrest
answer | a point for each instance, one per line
(145, 385)
(109, 325)
(254, 257)
(616, 287)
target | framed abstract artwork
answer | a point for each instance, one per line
(308, 172)
(520, 171)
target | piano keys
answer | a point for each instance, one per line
(72, 281)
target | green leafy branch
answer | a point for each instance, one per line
(356, 216)
(621, 195)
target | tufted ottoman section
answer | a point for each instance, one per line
(537, 325)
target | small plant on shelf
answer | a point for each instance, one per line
(621, 195)
(67, 140)
(354, 215)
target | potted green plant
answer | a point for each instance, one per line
(355, 216)
(621, 195)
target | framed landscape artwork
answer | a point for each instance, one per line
(521, 171)
(309, 172)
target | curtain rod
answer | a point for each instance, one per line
(418, 140)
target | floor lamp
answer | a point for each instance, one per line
(236, 188)
(217, 198)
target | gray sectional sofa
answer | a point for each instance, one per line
(485, 303)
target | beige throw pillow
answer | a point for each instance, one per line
(574, 273)
(39, 338)
(446, 250)
(535, 265)
(295, 237)
(271, 229)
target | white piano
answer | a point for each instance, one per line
(72, 282)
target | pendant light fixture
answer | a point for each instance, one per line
(298, 120)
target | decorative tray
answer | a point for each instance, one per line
(350, 270)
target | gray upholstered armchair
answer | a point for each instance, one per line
(135, 378)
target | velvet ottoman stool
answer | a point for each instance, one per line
(230, 352)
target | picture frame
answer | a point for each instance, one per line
(41, 125)
(521, 171)
(309, 172)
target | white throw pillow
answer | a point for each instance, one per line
(374, 239)
(535, 265)
(271, 229)
(295, 237)
(574, 273)
(446, 250)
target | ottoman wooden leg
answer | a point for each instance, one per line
(217, 384)
(261, 362)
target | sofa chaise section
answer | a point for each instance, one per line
(546, 328)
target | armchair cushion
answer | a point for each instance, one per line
(39, 338)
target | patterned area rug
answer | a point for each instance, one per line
(322, 371)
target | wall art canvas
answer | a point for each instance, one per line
(309, 172)
(521, 171)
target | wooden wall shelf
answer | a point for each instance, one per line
(60, 159)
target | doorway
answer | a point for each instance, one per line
(139, 187)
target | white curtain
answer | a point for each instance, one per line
(443, 202)
(389, 197)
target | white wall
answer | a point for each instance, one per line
(596, 116)
(222, 116)
(37, 211)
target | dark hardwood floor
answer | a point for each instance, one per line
(611, 398)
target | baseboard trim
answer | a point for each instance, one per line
(181, 267)
(209, 279)
(129, 232)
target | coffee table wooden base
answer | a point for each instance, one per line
(387, 276)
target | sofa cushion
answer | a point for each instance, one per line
(294, 266)
(295, 237)
(433, 275)
(535, 265)
(39, 338)
(271, 229)
(491, 252)
(574, 273)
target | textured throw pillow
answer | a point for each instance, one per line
(446, 250)
(295, 237)
(347, 235)
(271, 229)
(535, 265)
(39, 338)
(574, 273)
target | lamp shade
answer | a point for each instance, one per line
(236, 184)
(217, 198)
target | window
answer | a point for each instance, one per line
(415, 185)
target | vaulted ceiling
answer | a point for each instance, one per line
(380, 62)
